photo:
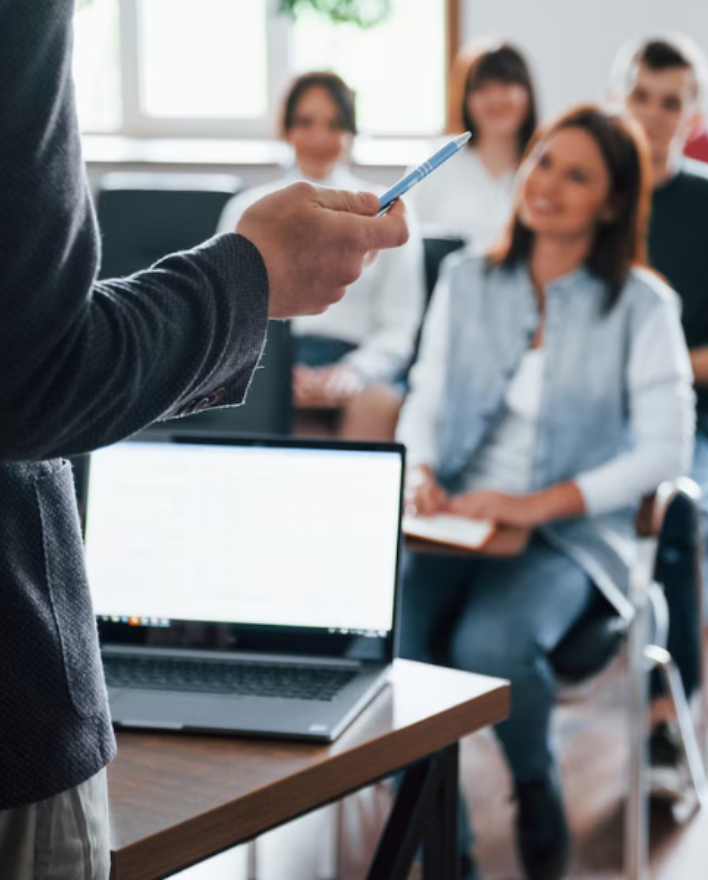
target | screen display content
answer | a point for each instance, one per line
(254, 535)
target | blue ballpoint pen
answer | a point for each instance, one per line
(389, 198)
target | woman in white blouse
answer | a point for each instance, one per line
(492, 96)
(349, 358)
(553, 391)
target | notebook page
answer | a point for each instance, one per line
(446, 529)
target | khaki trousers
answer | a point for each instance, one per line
(62, 838)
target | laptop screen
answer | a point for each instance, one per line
(268, 534)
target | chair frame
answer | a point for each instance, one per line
(645, 653)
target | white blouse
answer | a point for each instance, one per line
(382, 310)
(462, 199)
(503, 462)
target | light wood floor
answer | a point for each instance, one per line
(592, 738)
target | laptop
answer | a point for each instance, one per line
(244, 585)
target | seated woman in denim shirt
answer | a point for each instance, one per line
(552, 392)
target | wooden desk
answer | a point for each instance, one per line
(178, 799)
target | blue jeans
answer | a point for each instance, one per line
(324, 351)
(500, 617)
(321, 351)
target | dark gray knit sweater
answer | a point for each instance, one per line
(82, 364)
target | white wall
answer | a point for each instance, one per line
(572, 42)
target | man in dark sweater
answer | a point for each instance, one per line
(661, 83)
(84, 364)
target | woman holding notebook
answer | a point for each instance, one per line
(552, 392)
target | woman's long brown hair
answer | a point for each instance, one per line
(478, 64)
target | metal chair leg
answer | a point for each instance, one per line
(689, 741)
(636, 831)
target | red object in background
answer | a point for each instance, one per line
(697, 146)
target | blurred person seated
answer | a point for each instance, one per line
(552, 392)
(662, 83)
(493, 97)
(348, 360)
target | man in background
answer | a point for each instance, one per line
(662, 84)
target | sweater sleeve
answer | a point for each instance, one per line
(662, 416)
(84, 364)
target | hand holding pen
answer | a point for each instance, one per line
(389, 198)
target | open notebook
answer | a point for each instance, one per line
(453, 531)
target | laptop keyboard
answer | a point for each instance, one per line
(219, 677)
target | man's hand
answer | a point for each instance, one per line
(315, 242)
(424, 496)
(325, 386)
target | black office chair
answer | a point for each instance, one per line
(669, 558)
(145, 216)
(434, 252)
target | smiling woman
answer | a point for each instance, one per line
(347, 361)
(538, 363)
(585, 181)
(491, 95)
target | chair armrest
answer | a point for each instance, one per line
(665, 494)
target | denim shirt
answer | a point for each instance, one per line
(584, 420)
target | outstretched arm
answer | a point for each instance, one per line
(83, 364)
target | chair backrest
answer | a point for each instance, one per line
(435, 250)
(678, 571)
(598, 635)
(144, 216)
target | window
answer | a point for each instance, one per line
(97, 66)
(398, 69)
(193, 67)
(219, 68)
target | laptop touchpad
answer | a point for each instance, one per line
(167, 707)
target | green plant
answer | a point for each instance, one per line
(363, 13)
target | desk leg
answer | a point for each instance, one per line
(424, 815)
(252, 859)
